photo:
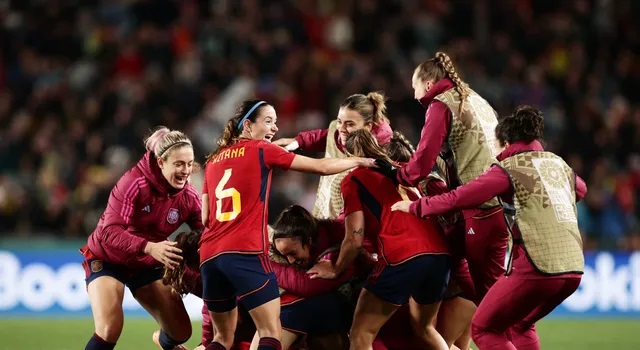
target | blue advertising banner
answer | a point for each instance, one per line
(610, 287)
(51, 283)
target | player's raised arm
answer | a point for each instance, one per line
(310, 141)
(328, 166)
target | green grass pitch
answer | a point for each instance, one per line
(72, 334)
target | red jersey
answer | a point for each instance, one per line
(238, 182)
(399, 236)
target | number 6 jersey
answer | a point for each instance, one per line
(237, 182)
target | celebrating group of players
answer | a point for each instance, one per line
(471, 235)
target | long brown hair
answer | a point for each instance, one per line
(362, 143)
(440, 67)
(295, 222)
(188, 243)
(399, 148)
(233, 129)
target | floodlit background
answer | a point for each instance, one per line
(82, 82)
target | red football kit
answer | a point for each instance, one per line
(399, 236)
(238, 181)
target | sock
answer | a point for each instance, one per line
(166, 342)
(97, 343)
(215, 346)
(268, 343)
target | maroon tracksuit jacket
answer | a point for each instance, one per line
(143, 207)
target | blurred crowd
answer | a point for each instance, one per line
(83, 81)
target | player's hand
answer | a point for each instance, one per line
(323, 269)
(200, 347)
(283, 142)
(165, 252)
(402, 206)
(367, 162)
(387, 169)
(289, 144)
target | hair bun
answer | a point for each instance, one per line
(526, 124)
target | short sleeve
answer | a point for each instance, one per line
(277, 157)
(349, 189)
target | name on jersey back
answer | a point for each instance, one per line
(229, 154)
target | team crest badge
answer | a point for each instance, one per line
(173, 216)
(96, 266)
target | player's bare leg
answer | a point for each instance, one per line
(287, 339)
(422, 320)
(168, 310)
(106, 294)
(464, 341)
(267, 320)
(370, 315)
(224, 326)
(454, 319)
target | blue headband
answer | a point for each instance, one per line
(248, 114)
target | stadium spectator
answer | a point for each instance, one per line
(198, 59)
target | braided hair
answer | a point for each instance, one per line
(440, 67)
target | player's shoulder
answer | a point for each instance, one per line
(256, 143)
(362, 173)
(348, 177)
(356, 175)
(134, 177)
(268, 145)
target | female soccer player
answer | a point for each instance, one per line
(457, 309)
(413, 261)
(129, 246)
(459, 124)
(539, 191)
(356, 112)
(234, 258)
(185, 279)
(310, 307)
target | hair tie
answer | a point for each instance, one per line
(181, 142)
(246, 115)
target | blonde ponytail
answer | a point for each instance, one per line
(378, 100)
(371, 107)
